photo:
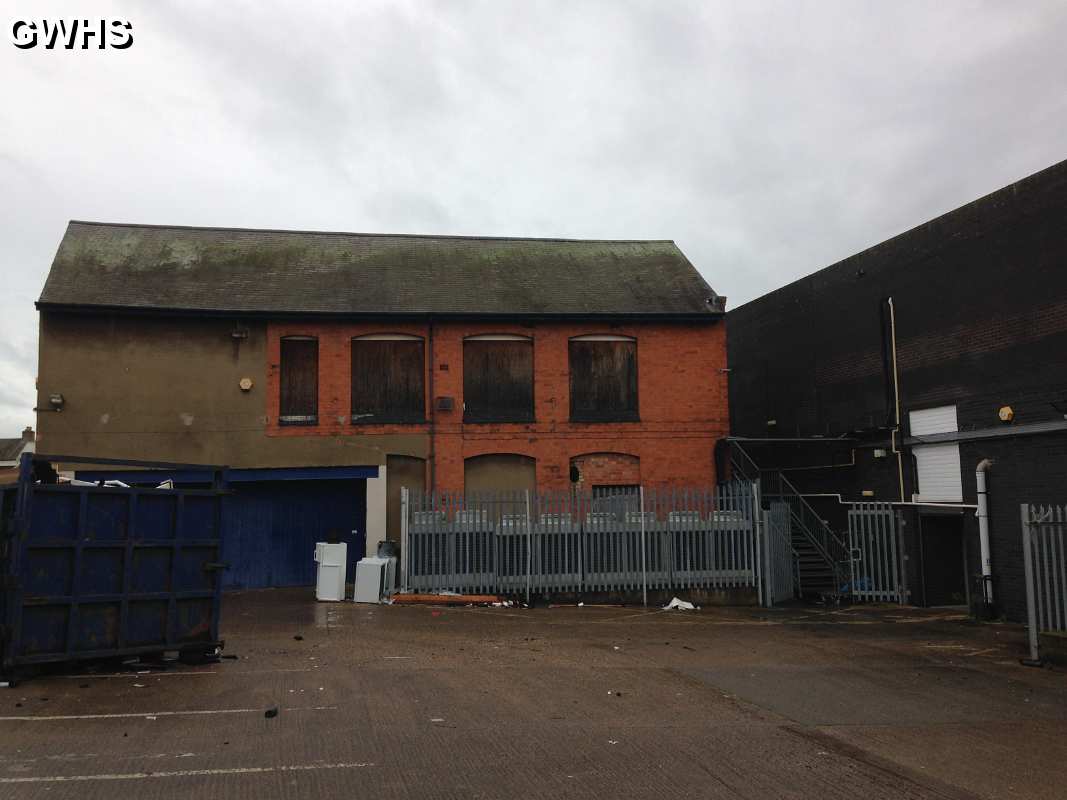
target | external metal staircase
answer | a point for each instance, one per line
(822, 555)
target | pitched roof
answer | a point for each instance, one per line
(218, 270)
(10, 449)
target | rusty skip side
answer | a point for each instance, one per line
(92, 571)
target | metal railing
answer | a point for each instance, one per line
(743, 466)
(775, 486)
(831, 546)
(550, 542)
(1045, 563)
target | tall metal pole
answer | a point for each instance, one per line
(644, 570)
(529, 547)
(758, 534)
(902, 561)
(1031, 599)
(404, 514)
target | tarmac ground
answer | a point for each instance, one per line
(571, 702)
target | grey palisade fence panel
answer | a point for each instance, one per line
(550, 542)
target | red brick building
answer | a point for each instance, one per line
(679, 402)
(334, 368)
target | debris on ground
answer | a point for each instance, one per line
(271, 712)
(299, 638)
(447, 599)
(681, 605)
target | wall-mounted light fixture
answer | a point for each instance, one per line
(55, 403)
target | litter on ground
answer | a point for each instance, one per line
(681, 605)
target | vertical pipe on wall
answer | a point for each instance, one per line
(896, 395)
(983, 530)
(432, 457)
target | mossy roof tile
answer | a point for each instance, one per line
(299, 272)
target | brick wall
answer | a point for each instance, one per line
(607, 469)
(682, 396)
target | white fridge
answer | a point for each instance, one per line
(333, 563)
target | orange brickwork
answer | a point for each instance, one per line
(682, 397)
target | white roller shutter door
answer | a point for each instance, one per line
(939, 474)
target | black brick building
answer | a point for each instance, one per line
(978, 300)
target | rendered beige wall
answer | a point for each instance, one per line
(166, 389)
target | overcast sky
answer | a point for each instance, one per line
(767, 139)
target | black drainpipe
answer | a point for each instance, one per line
(433, 410)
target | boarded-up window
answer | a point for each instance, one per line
(387, 380)
(498, 380)
(603, 379)
(299, 381)
(500, 472)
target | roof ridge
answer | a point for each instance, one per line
(377, 235)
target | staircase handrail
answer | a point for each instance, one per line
(829, 545)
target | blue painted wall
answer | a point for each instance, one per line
(271, 528)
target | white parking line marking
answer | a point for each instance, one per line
(185, 773)
(181, 674)
(154, 714)
(140, 675)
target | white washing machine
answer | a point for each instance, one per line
(375, 579)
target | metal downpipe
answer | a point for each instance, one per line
(983, 530)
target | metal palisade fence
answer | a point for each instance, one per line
(782, 569)
(1045, 562)
(877, 554)
(627, 540)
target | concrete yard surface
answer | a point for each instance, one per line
(591, 702)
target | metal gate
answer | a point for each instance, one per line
(876, 554)
(1045, 561)
(779, 559)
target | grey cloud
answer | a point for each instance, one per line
(768, 139)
